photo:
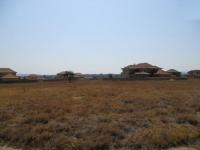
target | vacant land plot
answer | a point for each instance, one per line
(99, 115)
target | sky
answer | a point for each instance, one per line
(98, 36)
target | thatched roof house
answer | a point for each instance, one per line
(174, 72)
(7, 74)
(131, 71)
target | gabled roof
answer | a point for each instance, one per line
(172, 71)
(141, 65)
(162, 72)
(7, 70)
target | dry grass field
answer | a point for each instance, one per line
(100, 115)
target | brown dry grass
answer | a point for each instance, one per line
(100, 115)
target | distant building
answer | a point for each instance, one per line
(162, 73)
(174, 72)
(7, 74)
(79, 76)
(32, 77)
(49, 77)
(139, 70)
(65, 75)
(194, 74)
(89, 77)
(116, 76)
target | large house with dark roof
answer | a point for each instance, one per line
(140, 70)
(7, 74)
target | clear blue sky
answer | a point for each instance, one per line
(98, 36)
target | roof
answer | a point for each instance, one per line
(162, 72)
(7, 70)
(65, 72)
(172, 71)
(192, 71)
(142, 65)
(142, 73)
(9, 76)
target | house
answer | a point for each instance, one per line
(174, 72)
(139, 70)
(7, 74)
(162, 73)
(65, 75)
(194, 74)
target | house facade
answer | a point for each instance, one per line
(7, 74)
(194, 74)
(139, 70)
